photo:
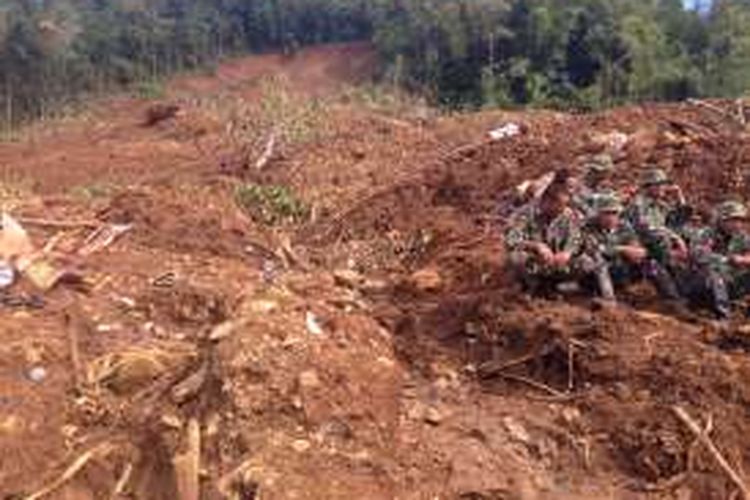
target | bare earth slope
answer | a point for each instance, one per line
(347, 355)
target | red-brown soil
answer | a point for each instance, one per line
(347, 356)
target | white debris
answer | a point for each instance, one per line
(37, 374)
(312, 323)
(7, 275)
(505, 132)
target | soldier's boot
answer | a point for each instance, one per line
(530, 283)
(666, 287)
(719, 292)
(605, 285)
(663, 281)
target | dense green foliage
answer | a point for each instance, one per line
(586, 53)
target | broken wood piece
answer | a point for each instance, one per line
(45, 274)
(74, 321)
(534, 384)
(69, 473)
(267, 152)
(693, 426)
(31, 221)
(122, 483)
(103, 237)
(187, 465)
(494, 368)
(190, 386)
(288, 256)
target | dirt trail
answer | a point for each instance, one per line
(348, 355)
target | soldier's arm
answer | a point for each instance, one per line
(742, 259)
(629, 245)
(572, 246)
(517, 237)
(702, 251)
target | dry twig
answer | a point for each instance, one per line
(122, 483)
(267, 151)
(31, 221)
(187, 466)
(534, 384)
(693, 426)
(69, 473)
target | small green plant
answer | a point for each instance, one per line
(150, 89)
(271, 205)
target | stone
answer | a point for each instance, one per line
(301, 445)
(433, 416)
(427, 280)
(516, 430)
(309, 379)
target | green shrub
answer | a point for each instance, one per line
(271, 205)
(151, 89)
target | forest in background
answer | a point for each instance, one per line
(582, 54)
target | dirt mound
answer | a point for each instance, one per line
(173, 224)
(373, 347)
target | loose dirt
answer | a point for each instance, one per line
(376, 350)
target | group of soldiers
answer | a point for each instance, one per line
(582, 233)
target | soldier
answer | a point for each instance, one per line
(692, 226)
(543, 237)
(612, 256)
(651, 212)
(722, 258)
(597, 181)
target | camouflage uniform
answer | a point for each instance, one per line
(561, 234)
(604, 267)
(716, 278)
(586, 196)
(654, 219)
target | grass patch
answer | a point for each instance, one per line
(271, 205)
(150, 89)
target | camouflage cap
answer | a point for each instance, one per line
(600, 164)
(608, 203)
(653, 177)
(731, 210)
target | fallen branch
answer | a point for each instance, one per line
(31, 221)
(494, 368)
(713, 450)
(71, 471)
(534, 384)
(122, 483)
(669, 484)
(187, 466)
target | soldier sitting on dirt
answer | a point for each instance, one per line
(721, 257)
(543, 237)
(691, 224)
(652, 214)
(597, 181)
(612, 255)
